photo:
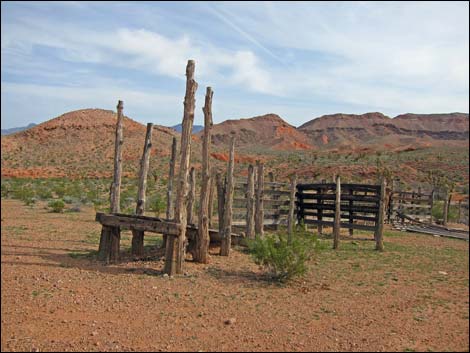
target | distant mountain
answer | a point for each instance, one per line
(377, 129)
(16, 129)
(196, 128)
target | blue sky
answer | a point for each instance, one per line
(299, 60)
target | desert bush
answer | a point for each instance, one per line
(57, 206)
(282, 260)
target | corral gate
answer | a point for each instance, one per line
(359, 205)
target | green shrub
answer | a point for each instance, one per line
(156, 204)
(282, 260)
(56, 205)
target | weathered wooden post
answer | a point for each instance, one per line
(460, 212)
(201, 245)
(259, 206)
(191, 196)
(220, 201)
(250, 203)
(446, 207)
(378, 235)
(337, 223)
(174, 252)
(290, 220)
(169, 193)
(212, 187)
(226, 242)
(138, 235)
(111, 236)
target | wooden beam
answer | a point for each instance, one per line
(175, 250)
(191, 196)
(220, 201)
(227, 230)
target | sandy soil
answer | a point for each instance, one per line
(414, 296)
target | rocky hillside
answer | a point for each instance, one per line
(78, 143)
(380, 130)
(261, 132)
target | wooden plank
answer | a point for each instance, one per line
(362, 209)
(259, 210)
(149, 224)
(344, 197)
(250, 208)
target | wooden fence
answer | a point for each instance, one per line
(275, 204)
(359, 205)
(413, 204)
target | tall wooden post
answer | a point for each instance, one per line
(201, 245)
(378, 235)
(337, 223)
(250, 203)
(459, 219)
(259, 206)
(220, 202)
(174, 252)
(110, 238)
(320, 210)
(227, 231)
(169, 193)
(212, 187)
(191, 196)
(446, 207)
(290, 220)
(138, 235)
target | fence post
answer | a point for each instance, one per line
(460, 212)
(169, 194)
(290, 220)
(259, 211)
(220, 202)
(431, 202)
(212, 187)
(337, 223)
(108, 237)
(202, 238)
(446, 207)
(191, 196)
(138, 235)
(174, 252)
(378, 235)
(320, 211)
(227, 231)
(250, 209)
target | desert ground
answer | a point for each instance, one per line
(412, 297)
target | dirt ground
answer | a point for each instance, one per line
(412, 297)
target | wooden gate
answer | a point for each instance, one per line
(410, 205)
(359, 205)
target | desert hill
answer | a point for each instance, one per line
(265, 131)
(420, 130)
(78, 143)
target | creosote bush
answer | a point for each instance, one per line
(281, 259)
(56, 205)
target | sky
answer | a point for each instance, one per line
(299, 60)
